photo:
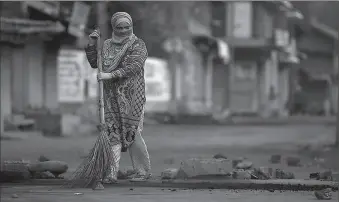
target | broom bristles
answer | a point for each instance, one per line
(96, 166)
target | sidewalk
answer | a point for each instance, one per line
(52, 194)
(258, 121)
(292, 185)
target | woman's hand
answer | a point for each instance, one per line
(93, 37)
(103, 76)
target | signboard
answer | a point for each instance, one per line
(157, 80)
(78, 19)
(72, 73)
(242, 21)
(50, 8)
(282, 38)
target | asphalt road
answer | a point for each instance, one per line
(169, 144)
(44, 194)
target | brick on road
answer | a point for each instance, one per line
(197, 167)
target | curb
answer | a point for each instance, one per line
(293, 185)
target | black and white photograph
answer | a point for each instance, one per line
(169, 101)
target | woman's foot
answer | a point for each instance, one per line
(140, 177)
(110, 181)
(98, 186)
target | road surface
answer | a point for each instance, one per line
(36, 194)
(168, 145)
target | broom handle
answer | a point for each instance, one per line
(101, 85)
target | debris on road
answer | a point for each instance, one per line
(325, 194)
(275, 159)
(219, 156)
(126, 173)
(43, 158)
(14, 196)
(315, 176)
(236, 161)
(201, 167)
(293, 161)
(170, 173)
(42, 175)
(325, 175)
(244, 165)
(280, 174)
(14, 170)
(55, 167)
(242, 174)
(263, 173)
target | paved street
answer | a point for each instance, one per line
(36, 194)
(169, 144)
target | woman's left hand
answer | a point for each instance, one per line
(103, 76)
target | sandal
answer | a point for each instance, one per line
(140, 178)
(110, 181)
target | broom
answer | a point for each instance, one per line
(97, 165)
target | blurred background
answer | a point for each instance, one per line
(216, 63)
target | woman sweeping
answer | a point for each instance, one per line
(123, 59)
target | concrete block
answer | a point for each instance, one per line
(276, 158)
(241, 174)
(293, 161)
(326, 175)
(236, 161)
(219, 156)
(200, 167)
(169, 173)
(266, 171)
(55, 167)
(335, 176)
(325, 194)
(43, 175)
(244, 165)
(14, 170)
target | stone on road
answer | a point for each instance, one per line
(33, 194)
(198, 167)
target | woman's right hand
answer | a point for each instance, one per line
(93, 37)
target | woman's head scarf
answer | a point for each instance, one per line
(121, 17)
(115, 48)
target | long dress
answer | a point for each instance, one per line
(124, 97)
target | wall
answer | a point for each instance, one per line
(32, 78)
(19, 79)
(50, 92)
(269, 102)
(5, 65)
(313, 39)
(11, 9)
(317, 64)
(192, 77)
(34, 71)
(221, 83)
(283, 90)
